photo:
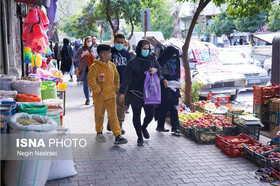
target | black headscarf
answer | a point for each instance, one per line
(138, 50)
(167, 54)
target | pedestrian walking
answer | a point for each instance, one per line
(170, 63)
(103, 79)
(94, 46)
(128, 48)
(57, 55)
(133, 82)
(120, 58)
(66, 58)
(77, 45)
(85, 58)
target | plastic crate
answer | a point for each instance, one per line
(251, 130)
(205, 135)
(274, 117)
(13, 105)
(231, 118)
(263, 161)
(260, 108)
(271, 90)
(230, 131)
(220, 139)
(235, 112)
(235, 149)
(274, 106)
(187, 131)
(249, 154)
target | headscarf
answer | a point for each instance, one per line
(138, 50)
(167, 54)
(77, 44)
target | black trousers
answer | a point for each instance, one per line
(149, 114)
(173, 116)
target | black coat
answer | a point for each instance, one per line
(66, 56)
(134, 77)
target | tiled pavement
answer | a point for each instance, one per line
(164, 159)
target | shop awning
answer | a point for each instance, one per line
(267, 37)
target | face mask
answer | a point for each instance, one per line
(89, 44)
(126, 48)
(119, 46)
(145, 53)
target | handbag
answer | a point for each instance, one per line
(77, 71)
(152, 89)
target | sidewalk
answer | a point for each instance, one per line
(164, 159)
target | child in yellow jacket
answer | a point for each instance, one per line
(103, 80)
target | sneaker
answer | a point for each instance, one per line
(177, 132)
(100, 138)
(140, 142)
(145, 133)
(162, 130)
(71, 80)
(120, 140)
(87, 102)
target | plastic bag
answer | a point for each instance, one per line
(152, 91)
(72, 70)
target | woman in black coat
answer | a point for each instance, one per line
(170, 63)
(66, 57)
(133, 82)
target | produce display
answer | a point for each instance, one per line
(207, 121)
(269, 175)
(192, 116)
(274, 156)
(203, 103)
(25, 122)
(262, 149)
(30, 78)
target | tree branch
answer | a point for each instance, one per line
(132, 28)
(107, 14)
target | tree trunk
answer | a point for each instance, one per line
(101, 33)
(176, 24)
(185, 48)
(132, 29)
(228, 36)
(115, 30)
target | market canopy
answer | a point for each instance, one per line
(267, 37)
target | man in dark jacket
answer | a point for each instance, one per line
(120, 58)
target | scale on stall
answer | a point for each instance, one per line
(249, 125)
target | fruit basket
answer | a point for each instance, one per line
(269, 158)
(235, 148)
(205, 135)
(187, 131)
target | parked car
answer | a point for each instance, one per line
(267, 66)
(254, 75)
(216, 79)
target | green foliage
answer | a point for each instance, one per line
(223, 24)
(196, 87)
(251, 24)
(81, 25)
(200, 29)
(274, 18)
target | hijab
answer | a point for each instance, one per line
(167, 54)
(138, 50)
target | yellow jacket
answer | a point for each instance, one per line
(103, 80)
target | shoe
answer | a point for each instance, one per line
(177, 132)
(108, 126)
(120, 140)
(145, 133)
(100, 138)
(140, 142)
(87, 102)
(162, 130)
(71, 80)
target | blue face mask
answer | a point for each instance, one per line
(119, 46)
(145, 53)
(126, 48)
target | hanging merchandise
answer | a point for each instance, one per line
(34, 33)
(27, 55)
(48, 52)
(36, 60)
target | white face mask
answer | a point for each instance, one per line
(89, 44)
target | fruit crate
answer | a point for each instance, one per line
(271, 90)
(187, 131)
(249, 154)
(235, 149)
(235, 112)
(263, 161)
(260, 108)
(251, 130)
(274, 117)
(205, 135)
(274, 106)
(230, 131)
(220, 139)
(232, 118)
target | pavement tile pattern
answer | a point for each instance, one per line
(164, 159)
